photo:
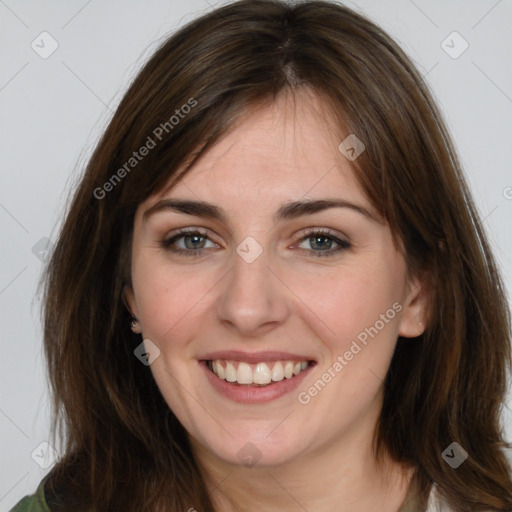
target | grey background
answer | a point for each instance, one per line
(53, 110)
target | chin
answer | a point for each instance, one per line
(251, 449)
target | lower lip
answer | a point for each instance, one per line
(253, 394)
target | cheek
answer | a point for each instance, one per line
(358, 324)
(360, 303)
(169, 301)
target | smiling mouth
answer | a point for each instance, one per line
(259, 374)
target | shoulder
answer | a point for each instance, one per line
(436, 503)
(33, 503)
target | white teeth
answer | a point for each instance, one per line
(278, 372)
(244, 374)
(220, 370)
(230, 372)
(288, 370)
(260, 374)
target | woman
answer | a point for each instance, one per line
(279, 295)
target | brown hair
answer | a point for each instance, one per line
(124, 448)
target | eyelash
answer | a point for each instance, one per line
(309, 233)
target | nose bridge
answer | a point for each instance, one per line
(251, 296)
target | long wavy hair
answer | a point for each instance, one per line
(123, 448)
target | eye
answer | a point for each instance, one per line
(193, 245)
(319, 240)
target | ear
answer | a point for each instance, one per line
(131, 305)
(415, 310)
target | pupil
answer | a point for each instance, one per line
(195, 238)
(316, 239)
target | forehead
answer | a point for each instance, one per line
(287, 149)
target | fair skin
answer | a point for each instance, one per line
(315, 455)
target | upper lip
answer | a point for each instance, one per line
(254, 357)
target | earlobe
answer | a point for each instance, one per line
(135, 326)
(414, 317)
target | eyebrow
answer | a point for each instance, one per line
(287, 211)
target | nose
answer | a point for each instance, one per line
(252, 299)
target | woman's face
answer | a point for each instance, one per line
(271, 287)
